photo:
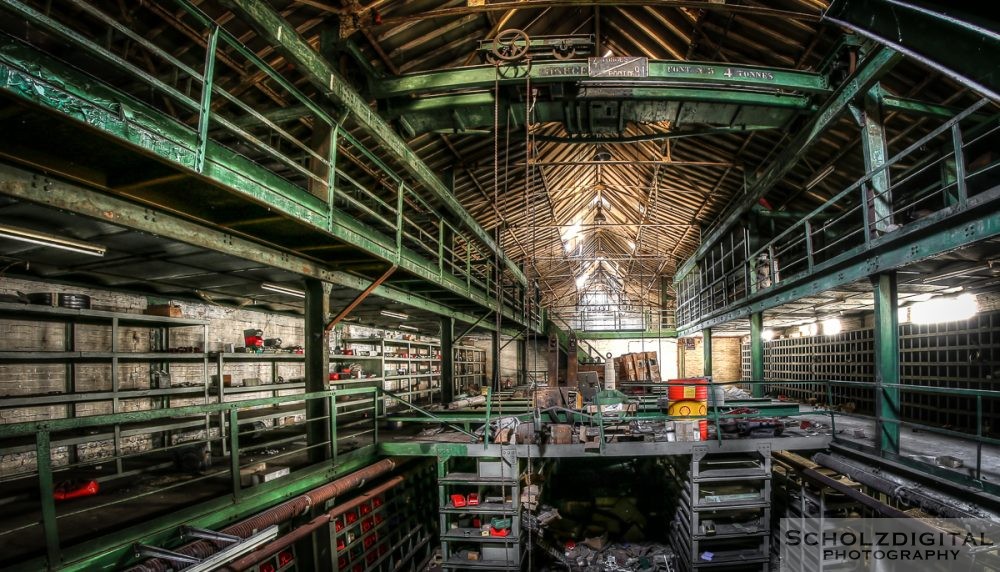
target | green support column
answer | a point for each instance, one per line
(495, 381)
(757, 352)
(317, 348)
(878, 214)
(522, 361)
(706, 348)
(886, 361)
(447, 359)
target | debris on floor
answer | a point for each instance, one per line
(631, 557)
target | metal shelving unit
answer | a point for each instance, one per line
(723, 520)
(960, 355)
(387, 531)
(809, 505)
(268, 415)
(159, 359)
(410, 369)
(470, 368)
(497, 478)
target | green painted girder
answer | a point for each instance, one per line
(869, 71)
(660, 72)
(22, 184)
(886, 334)
(941, 35)
(281, 34)
(681, 106)
(33, 77)
(636, 335)
(941, 232)
(892, 103)
(71, 423)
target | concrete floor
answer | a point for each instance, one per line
(916, 444)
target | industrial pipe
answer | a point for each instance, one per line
(904, 493)
(802, 465)
(276, 515)
(306, 529)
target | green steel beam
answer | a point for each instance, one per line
(474, 112)
(447, 359)
(891, 103)
(317, 367)
(873, 144)
(32, 77)
(887, 403)
(706, 349)
(546, 72)
(870, 70)
(961, 45)
(274, 29)
(626, 335)
(757, 352)
(72, 423)
(926, 238)
(74, 198)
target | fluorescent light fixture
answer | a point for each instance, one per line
(283, 290)
(767, 335)
(405, 327)
(809, 329)
(391, 314)
(818, 177)
(51, 240)
(831, 327)
(939, 310)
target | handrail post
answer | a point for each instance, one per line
(234, 451)
(956, 141)
(979, 436)
(865, 213)
(489, 411)
(205, 108)
(333, 427)
(331, 172)
(46, 488)
(399, 220)
(829, 405)
(810, 261)
(375, 402)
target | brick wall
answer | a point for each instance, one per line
(725, 358)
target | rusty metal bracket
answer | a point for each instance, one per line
(361, 298)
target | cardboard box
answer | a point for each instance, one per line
(687, 430)
(168, 310)
(562, 434)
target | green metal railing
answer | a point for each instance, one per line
(257, 133)
(941, 174)
(351, 424)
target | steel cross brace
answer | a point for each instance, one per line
(360, 298)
